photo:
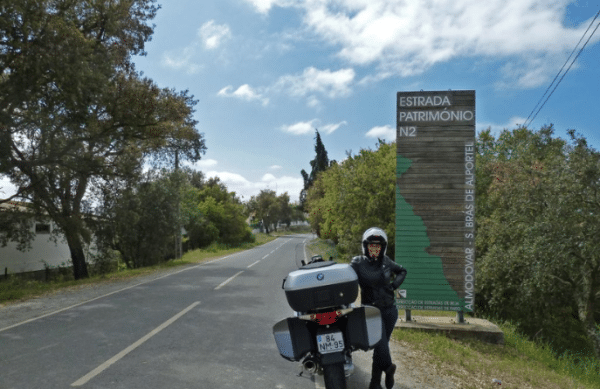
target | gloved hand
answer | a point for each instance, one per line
(399, 279)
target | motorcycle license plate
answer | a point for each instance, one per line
(330, 343)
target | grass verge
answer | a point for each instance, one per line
(325, 248)
(519, 363)
(16, 289)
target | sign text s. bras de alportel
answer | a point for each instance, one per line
(435, 199)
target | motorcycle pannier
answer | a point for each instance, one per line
(323, 286)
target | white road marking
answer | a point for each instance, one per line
(254, 263)
(83, 380)
(265, 256)
(305, 257)
(116, 291)
(95, 298)
(227, 280)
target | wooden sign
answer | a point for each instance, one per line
(435, 199)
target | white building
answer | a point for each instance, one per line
(44, 251)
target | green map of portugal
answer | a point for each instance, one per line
(426, 285)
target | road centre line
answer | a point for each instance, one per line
(265, 256)
(254, 263)
(83, 380)
(222, 284)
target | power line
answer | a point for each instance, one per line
(561, 69)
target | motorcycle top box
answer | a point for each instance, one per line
(321, 285)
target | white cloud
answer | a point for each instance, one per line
(331, 84)
(408, 37)
(313, 102)
(244, 92)
(227, 177)
(276, 167)
(263, 6)
(373, 79)
(204, 163)
(291, 185)
(386, 132)
(329, 128)
(268, 178)
(213, 35)
(210, 35)
(496, 129)
(181, 62)
(302, 128)
(246, 189)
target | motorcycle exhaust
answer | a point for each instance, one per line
(309, 366)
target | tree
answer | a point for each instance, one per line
(213, 214)
(270, 208)
(319, 164)
(73, 111)
(350, 197)
(141, 222)
(285, 209)
(194, 178)
(538, 261)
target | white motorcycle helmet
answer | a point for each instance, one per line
(374, 235)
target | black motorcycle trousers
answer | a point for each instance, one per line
(381, 353)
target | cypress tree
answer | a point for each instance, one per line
(319, 164)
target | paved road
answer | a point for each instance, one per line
(206, 326)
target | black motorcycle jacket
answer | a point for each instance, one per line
(375, 280)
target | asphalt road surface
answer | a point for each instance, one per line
(204, 326)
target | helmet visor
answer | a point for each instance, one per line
(374, 250)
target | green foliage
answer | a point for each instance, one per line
(213, 215)
(350, 197)
(141, 222)
(537, 224)
(270, 209)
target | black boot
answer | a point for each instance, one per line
(389, 376)
(375, 378)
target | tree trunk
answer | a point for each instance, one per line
(77, 255)
(586, 316)
(593, 335)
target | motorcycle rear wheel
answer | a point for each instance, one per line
(334, 376)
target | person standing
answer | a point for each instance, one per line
(375, 272)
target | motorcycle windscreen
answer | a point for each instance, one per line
(363, 330)
(293, 338)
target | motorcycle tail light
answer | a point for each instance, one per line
(325, 317)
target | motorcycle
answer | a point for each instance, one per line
(326, 326)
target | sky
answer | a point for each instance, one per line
(267, 73)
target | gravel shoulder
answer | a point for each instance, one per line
(414, 368)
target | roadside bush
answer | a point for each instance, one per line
(102, 263)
